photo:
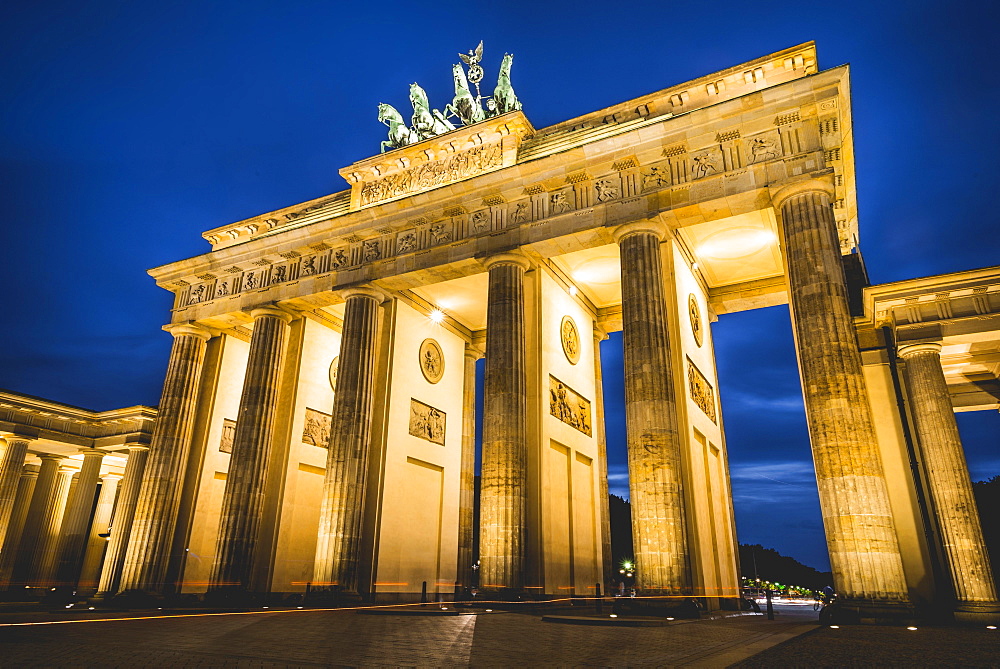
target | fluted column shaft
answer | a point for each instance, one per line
(861, 536)
(504, 492)
(11, 464)
(243, 500)
(96, 544)
(342, 508)
(467, 474)
(45, 561)
(38, 509)
(602, 460)
(659, 524)
(76, 520)
(121, 520)
(15, 527)
(156, 511)
(948, 476)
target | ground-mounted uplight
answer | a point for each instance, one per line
(489, 610)
(835, 627)
(669, 618)
(991, 627)
(912, 629)
(614, 615)
(437, 316)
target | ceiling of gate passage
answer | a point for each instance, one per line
(729, 252)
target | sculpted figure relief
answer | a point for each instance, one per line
(569, 406)
(222, 289)
(338, 259)
(703, 165)
(426, 422)
(762, 148)
(560, 203)
(372, 250)
(197, 295)
(520, 213)
(440, 233)
(655, 177)
(308, 265)
(406, 242)
(481, 220)
(606, 190)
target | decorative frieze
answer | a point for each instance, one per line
(569, 406)
(701, 391)
(316, 428)
(426, 422)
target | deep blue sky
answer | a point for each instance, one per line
(127, 129)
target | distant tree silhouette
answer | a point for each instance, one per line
(775, 567)
(988, 500)
(621, 530)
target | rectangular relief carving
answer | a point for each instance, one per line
(228, 434)
(427, 422)
(317, 428)
(701, 391)
(569, 406)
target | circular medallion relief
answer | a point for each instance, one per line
(431, 360)
(570, 339)
(694, 314)
(334, 366)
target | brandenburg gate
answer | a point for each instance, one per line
(317, 427)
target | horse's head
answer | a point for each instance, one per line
(418, 98)
(387, 113)
(508, 60)
(460, 81)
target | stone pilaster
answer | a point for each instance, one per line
(948, 481)
(656, 486)
(156, 511)
(45, 561)
(75, 527)
(97, 545)
(342, 507)
(11, 464)
(861, 536)
(467, 476)
(243, 500)
(121, 520)
(504, 491)
(607, 570)
(38, 509)
(15, 527)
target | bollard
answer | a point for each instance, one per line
(423, 593)
(770, 607)
(599, 602)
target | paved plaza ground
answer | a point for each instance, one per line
(345, 638)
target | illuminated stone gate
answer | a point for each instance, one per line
(317, 424)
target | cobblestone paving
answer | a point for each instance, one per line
(333, 638)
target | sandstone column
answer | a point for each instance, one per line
(656, 486)
(15, 527)
(156, 511)
(948, 480)
(11, 464)
(121, 520)
(243, 500)
(76, 520)
(96, 544)
(504, 491)
(31, 535)
(342, 507)
(467, 485)
(602, 460)
(864, 551)
(45, 561)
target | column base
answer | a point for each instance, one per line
(985, 613)
(869, 612)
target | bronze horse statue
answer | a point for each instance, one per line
(399, 134)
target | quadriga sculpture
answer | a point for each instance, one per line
(399, 133)
(427, 122)
(503, 95)
(464, 106)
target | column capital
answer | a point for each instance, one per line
(51, 456)
(92, 451)
(905, 351)
(137, 447)
(189, 328)
(30, 470)
(648, 226)
(473, 352)
(363, 291)
(782, 192)
(508, 258)
(272, 311)
(600, 334)
(111, 476)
